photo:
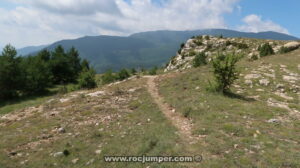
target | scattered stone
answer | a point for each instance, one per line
(64, 100)
(291, 79)
(274, 103)
(58, 154)
(61, 130)
(264, 82)
(273, 120)
(96, 94)
(74, 161)
(269, 75)
(284, 96)
(148, 119)
(197, 88)
(249, 82)
(279, 86)
(260, 90)
(98, 152)
(90, 162)
(252, 76)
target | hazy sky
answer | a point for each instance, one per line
(36, 22)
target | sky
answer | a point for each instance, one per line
(38, 22)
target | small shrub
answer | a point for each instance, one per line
(123, 74)
(153, 71)
(198, 42)
(133, 71)
(200, 59)
(187, 112)
(284, 50)
(173, 60)
(254, 57)
(192, 53)
(66, 152)
(228, 43)
(265, 50)
(206, 37)
(87, 79)
(242, 46)
(62, 89)
(225, 72)
(182, 45)
(108, 77)
(209, 46)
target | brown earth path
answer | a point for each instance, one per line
(184, 125)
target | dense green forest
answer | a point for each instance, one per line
(22, 76)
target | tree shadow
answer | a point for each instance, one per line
(237, 96)
(27, 98)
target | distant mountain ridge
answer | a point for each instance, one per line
(30, 49)
(146, 49)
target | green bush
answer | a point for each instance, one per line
(153, 71)
(265, 50)
(198, 42)
(200, 59)
(123, 74)
(225, 72)
(284, 50)
(87, 79)
(108, 77)
(192, 53)
(133, 71)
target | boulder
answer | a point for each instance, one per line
(292, 45)
(264, 82)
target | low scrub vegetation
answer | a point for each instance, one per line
(225, 71)
(200, 59)
(265, 50)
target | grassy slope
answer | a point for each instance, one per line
(234, 130)
(123, 129)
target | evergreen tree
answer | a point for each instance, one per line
(60, 66)
(10, 73)
(74, 63)
(37, 73)
(85, 64)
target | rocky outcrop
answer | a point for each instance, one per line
(213, 45)
(292, 45)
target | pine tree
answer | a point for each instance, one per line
(10, 73)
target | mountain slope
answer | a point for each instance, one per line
(147, 49)
(30, 49)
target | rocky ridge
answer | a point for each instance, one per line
(211, 46)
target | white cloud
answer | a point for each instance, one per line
(255, 23)
(35, 22)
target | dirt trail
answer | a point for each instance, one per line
(183, 124)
